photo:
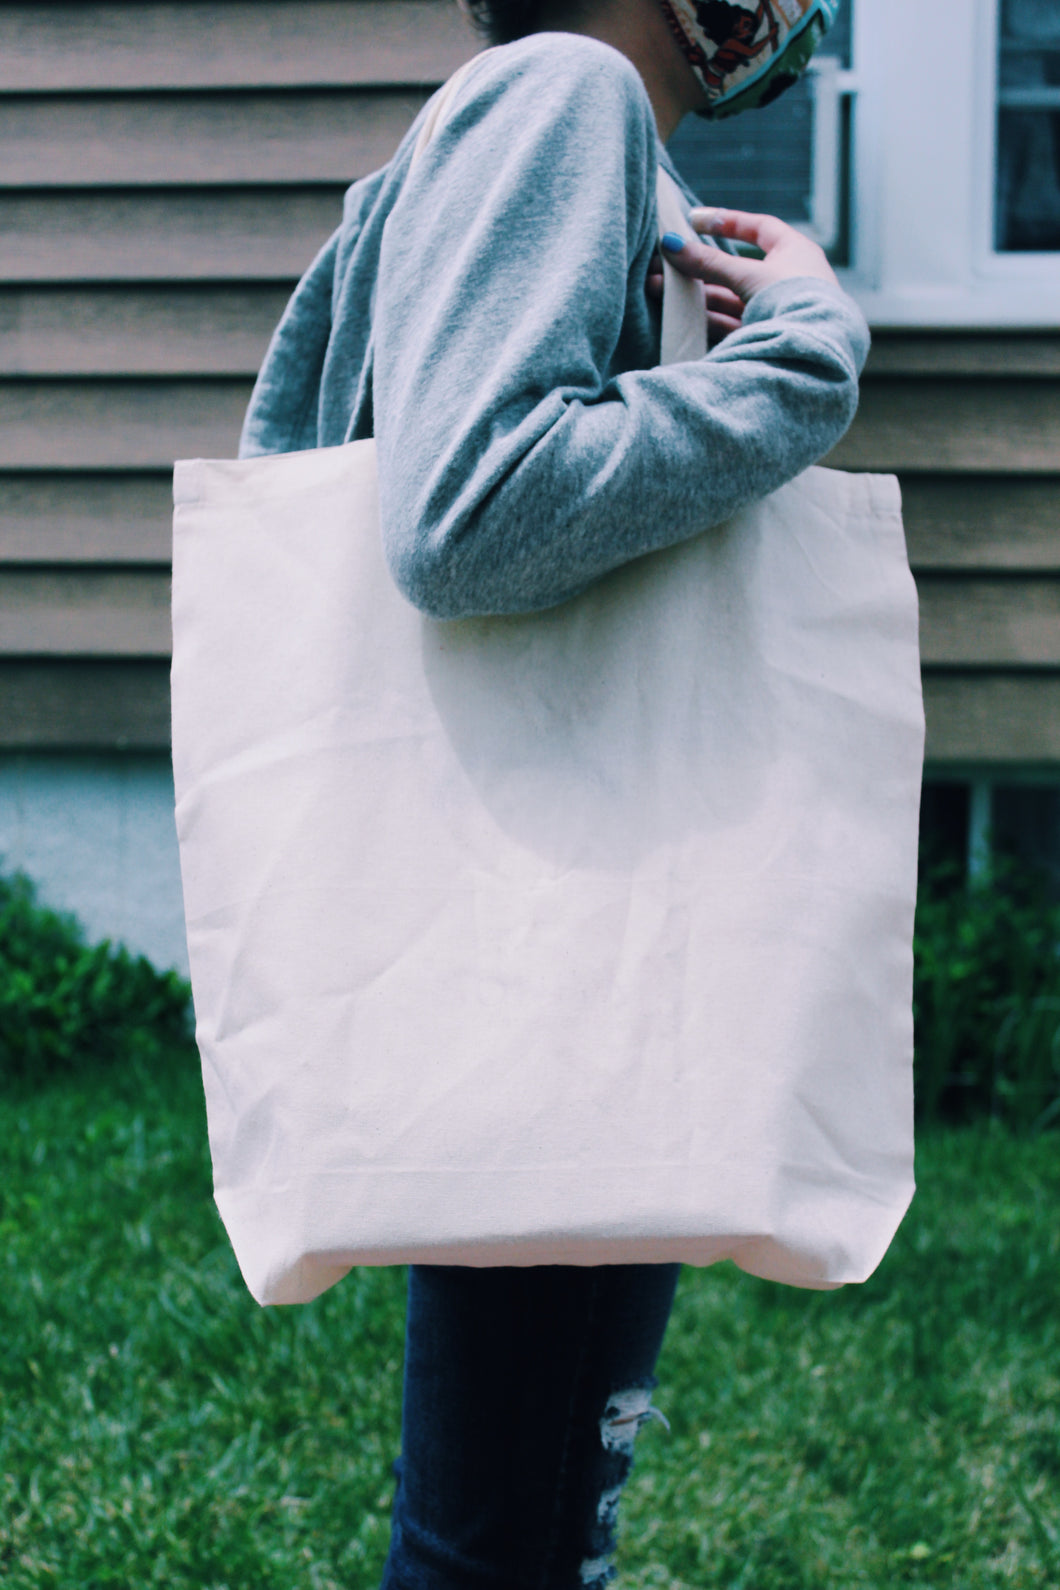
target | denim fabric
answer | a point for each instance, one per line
(524, 1389)
(484, 317)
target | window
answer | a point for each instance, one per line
(965, 822)
(791, 159)
(1027, 209)
(923, 152)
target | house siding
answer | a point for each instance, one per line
(166, 172)
(971, 425)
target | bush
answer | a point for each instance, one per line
(986, 999)
(64, 1002)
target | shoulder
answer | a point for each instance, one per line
(551, 127)
(561, 75)
(562, 58)
(559, 115)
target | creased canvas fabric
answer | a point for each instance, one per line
(582, 936)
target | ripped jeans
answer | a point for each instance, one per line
(524, 1390)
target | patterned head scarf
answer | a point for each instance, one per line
(745, 55)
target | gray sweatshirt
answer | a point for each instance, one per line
(484, 317)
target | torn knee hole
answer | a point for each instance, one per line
(626, 1412)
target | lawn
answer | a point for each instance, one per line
(157, 1428)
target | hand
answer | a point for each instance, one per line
(724, 309)
(787, 253)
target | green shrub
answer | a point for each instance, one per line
(64, 1002)
(986, 999)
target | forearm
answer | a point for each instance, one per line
(511, 521)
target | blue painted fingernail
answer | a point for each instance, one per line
(673, 241)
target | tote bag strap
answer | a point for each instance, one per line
(442, 105)
(684, 316)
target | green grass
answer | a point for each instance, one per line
(157, 1428)
(906, 1432)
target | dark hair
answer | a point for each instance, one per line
(504, 20)
(719, 20)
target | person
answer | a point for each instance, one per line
(489, 314)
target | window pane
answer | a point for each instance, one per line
(1026, 827)
(762, 160)
(757, 161)
(1028, 128)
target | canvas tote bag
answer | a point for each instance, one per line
(582, 937)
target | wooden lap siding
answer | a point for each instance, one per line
(166, 174)
(971, 425)
(167, 171)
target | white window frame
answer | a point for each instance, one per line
(923, 174)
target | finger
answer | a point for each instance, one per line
(765, 231)
(724, 301)
(720, 301)
(712, 265)
(689, 255)
(719, 327)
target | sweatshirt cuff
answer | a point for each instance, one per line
(817, 302)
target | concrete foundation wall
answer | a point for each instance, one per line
(95, 834)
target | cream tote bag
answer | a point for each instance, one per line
(579, 938)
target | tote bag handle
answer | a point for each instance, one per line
(684, 315)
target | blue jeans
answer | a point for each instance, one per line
(524, 1390)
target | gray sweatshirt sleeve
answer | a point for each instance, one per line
(515, 465)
